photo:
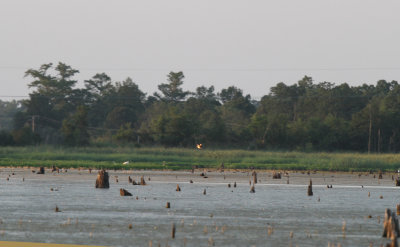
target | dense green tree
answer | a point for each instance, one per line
(172, 91)
(75, 128)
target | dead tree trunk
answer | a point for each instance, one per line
(309, 192)
(102, 180)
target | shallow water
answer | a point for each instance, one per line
(224, 216)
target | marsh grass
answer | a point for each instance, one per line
(180, 158)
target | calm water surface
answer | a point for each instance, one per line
(223, 217)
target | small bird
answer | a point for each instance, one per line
(126, 163)
(199, 146)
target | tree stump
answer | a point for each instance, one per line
(142, 181)
(168, 205)
(397, 181)
(254, 174)
(102, 180)
(173, 230)
(309, 191)
(178, 188)
(390, 225)
(124, 192)
(41, 170)
(276, 175)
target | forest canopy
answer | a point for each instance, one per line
(303, 116)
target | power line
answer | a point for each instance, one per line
(225, 69)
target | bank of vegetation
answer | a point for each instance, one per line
(186, 159)
(306, 116)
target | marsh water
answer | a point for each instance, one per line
(276, 215)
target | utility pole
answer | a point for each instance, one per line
(33, 124)
(370, 130)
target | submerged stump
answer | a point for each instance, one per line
(390, 225)
(41, 170)
(124, 192)
(309, 191)
(142, 181)
(102, 180)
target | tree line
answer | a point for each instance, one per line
(304, 116)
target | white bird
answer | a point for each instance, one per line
(126, 163)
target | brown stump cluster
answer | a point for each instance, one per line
(41, 170)
(102, 180)
(309, 191)
(391, 228)
(124, 192)
(276, 175)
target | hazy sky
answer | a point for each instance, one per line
(251, 44)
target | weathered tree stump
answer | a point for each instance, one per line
(390, 225)
(252, 189)
(309, 191)
(142, 181)
(124, 192)
(41, 170)
(168, 205)
(102, 180)
(178, 188)
(173, 230)
(254, 174)
(276, 175)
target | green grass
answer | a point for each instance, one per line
(179, 158)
